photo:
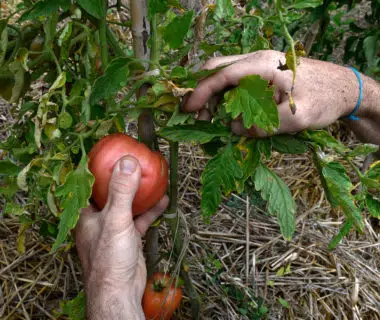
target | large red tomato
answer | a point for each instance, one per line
(161, 300)
(154, 170)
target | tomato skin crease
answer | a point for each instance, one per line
(154, 170)
(161, 304)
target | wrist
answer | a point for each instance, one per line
(370, 97)
(105, 302)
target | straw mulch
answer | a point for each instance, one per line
(238, 262)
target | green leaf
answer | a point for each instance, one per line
(3, 39)
(280, 199)
(347, 226)
(22, 176)
(103, 129)
(254, 101)
(287, 143)
(251, 34)
(179, 72)
(14, 209)
(372, 177)
(75, 309)
(363, 150)
(176, 30)
(8, 168)
(248, 157)
(58, 83)
(303, 4)
(17, 68)
(220, 175)
(340, 186)
(284, 303)
(45, 8)
(96, 8)
(373, 171)
(178, 117)
(157, 6)
(199, 132)
(371, 46)
(8, 187)
(114, 78)
(324, 139)
(265, 147)
(224, 10)
(212, 148)
(75, 194)
(373, 206)
(65, 34)
(51, 203)
(319, 163)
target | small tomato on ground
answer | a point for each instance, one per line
(161, 299)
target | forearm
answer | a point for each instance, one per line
(106, 304)
(367, 128)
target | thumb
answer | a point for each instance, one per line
(123, 186)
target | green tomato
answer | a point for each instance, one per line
(65, 120)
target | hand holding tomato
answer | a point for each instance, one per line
(110, 249)
(161, 297)
(154, 170)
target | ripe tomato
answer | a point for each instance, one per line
(160, 301)
(154, 170)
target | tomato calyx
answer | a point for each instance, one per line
(159, 285)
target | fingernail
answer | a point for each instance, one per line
(127, 166)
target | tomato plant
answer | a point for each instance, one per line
(161, 297)
(154, 170)
(94, 83)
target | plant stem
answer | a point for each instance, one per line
(173, 221)
(278, 4)
(356, 169)
(114, 44)
(155, 54)
(146, 130)
(103, 37)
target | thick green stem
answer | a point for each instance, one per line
(173, 221)
(155, 53)
(103, 37)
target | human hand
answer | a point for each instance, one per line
(323, 92)
(110, 249)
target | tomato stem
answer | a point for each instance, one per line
(176, 228)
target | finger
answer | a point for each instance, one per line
(204, 115)
(89, 210)
(87, 217)
(219, 61)
(123, 186)
(84, 232)
(143, 222)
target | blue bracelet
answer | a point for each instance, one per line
(352, 116)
